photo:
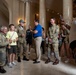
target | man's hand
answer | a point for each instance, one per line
(14, 40)
(31, 30)
(63, 35)
(64, 27)
(8, 46)
(23, 35)
(10, 41)
(50, 40)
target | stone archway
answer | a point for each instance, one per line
(13, 8)
(4, 13)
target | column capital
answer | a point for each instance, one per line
(25, 1)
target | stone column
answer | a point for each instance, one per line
(27, 18)
(11, 12)
(15, 11)
(67, 11)
(21, 10)
(42, 13)
(67, 16)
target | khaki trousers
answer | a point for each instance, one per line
(38, 41)
(55, 49)
(22, 49)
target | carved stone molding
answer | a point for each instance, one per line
(34, 1)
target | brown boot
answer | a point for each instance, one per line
(56, 62)
(47, 61)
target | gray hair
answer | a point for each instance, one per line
(2, 28)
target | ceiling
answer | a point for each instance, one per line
(56, 5)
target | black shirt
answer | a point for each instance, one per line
(28, 34)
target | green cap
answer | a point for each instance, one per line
(21, 21)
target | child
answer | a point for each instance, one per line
(12, 37)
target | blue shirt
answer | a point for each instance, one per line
(39, 29)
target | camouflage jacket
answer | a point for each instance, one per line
(53, 33)
(3, 40)
(20, 31)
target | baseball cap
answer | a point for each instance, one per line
(21, 21)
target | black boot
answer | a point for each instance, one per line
(24, 58)
(2, 70)
(19, 59)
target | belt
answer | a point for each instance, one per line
(2, 46)
(37, 36)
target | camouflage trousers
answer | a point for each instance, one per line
(53, 48)
(2, 56)
(21, 49)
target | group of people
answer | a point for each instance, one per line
(59, 41)
(15, 40)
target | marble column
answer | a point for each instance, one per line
(68, 16)
(27, 18)
(42, 13)
(14, 13)
(11, 12)
(67, 11)
(21, 10)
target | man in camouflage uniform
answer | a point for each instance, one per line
(3, 43)
(53, 41)
(21, 41)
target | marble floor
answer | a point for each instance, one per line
(28, 68)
